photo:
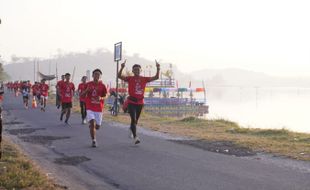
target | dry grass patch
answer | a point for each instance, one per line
(17, 172)
(279, 142)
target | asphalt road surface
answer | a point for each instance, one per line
(158, 163)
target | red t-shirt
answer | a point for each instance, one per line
(66, 91)
(136, 87)
(29, 85)
(35, 89)
(81, 88)
(44, 89)
(96, 90)
(59, 83)
(15, 86)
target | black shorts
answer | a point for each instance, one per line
(65, 105)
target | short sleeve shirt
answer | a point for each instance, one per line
(136, 87)
(67, 91)
(25, 90)
(92, 97)
(44, 89)
(59, 83)
(81, 88)
(35, 88)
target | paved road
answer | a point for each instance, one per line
(156, 164)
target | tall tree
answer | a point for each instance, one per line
(3, 75)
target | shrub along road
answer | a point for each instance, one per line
(65, 154)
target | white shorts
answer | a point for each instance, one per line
(44, 97)
(97, 116)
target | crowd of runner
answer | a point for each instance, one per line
(91, 97)
(39, 91)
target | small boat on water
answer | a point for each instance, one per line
(173, 102)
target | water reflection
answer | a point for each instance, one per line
(260, 107)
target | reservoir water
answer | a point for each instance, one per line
(261, 107)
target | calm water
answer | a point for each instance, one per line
(259, 107)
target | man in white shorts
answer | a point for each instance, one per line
(95, 93)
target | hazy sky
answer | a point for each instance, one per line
(270, 36)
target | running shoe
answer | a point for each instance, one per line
(94, 144)
(68, 124)
(136, 140)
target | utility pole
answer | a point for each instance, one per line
(38, 70)
(0, 132)
(56, 72)
(117, 58)
(34, 71)
(0, 126)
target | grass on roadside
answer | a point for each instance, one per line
(280, 142)
(17, 172)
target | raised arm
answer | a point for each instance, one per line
(119, 74)
(157, 71)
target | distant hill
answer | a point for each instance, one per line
(23, 69)
(231, 76)
(240, 77)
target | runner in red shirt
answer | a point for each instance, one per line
(35, 92)
(66, 93)
(43, 88)
(35, 89)
(19, 87)
(82, 86)
(16, 88)
(136, 87)
(58, 99)
(95, 93)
